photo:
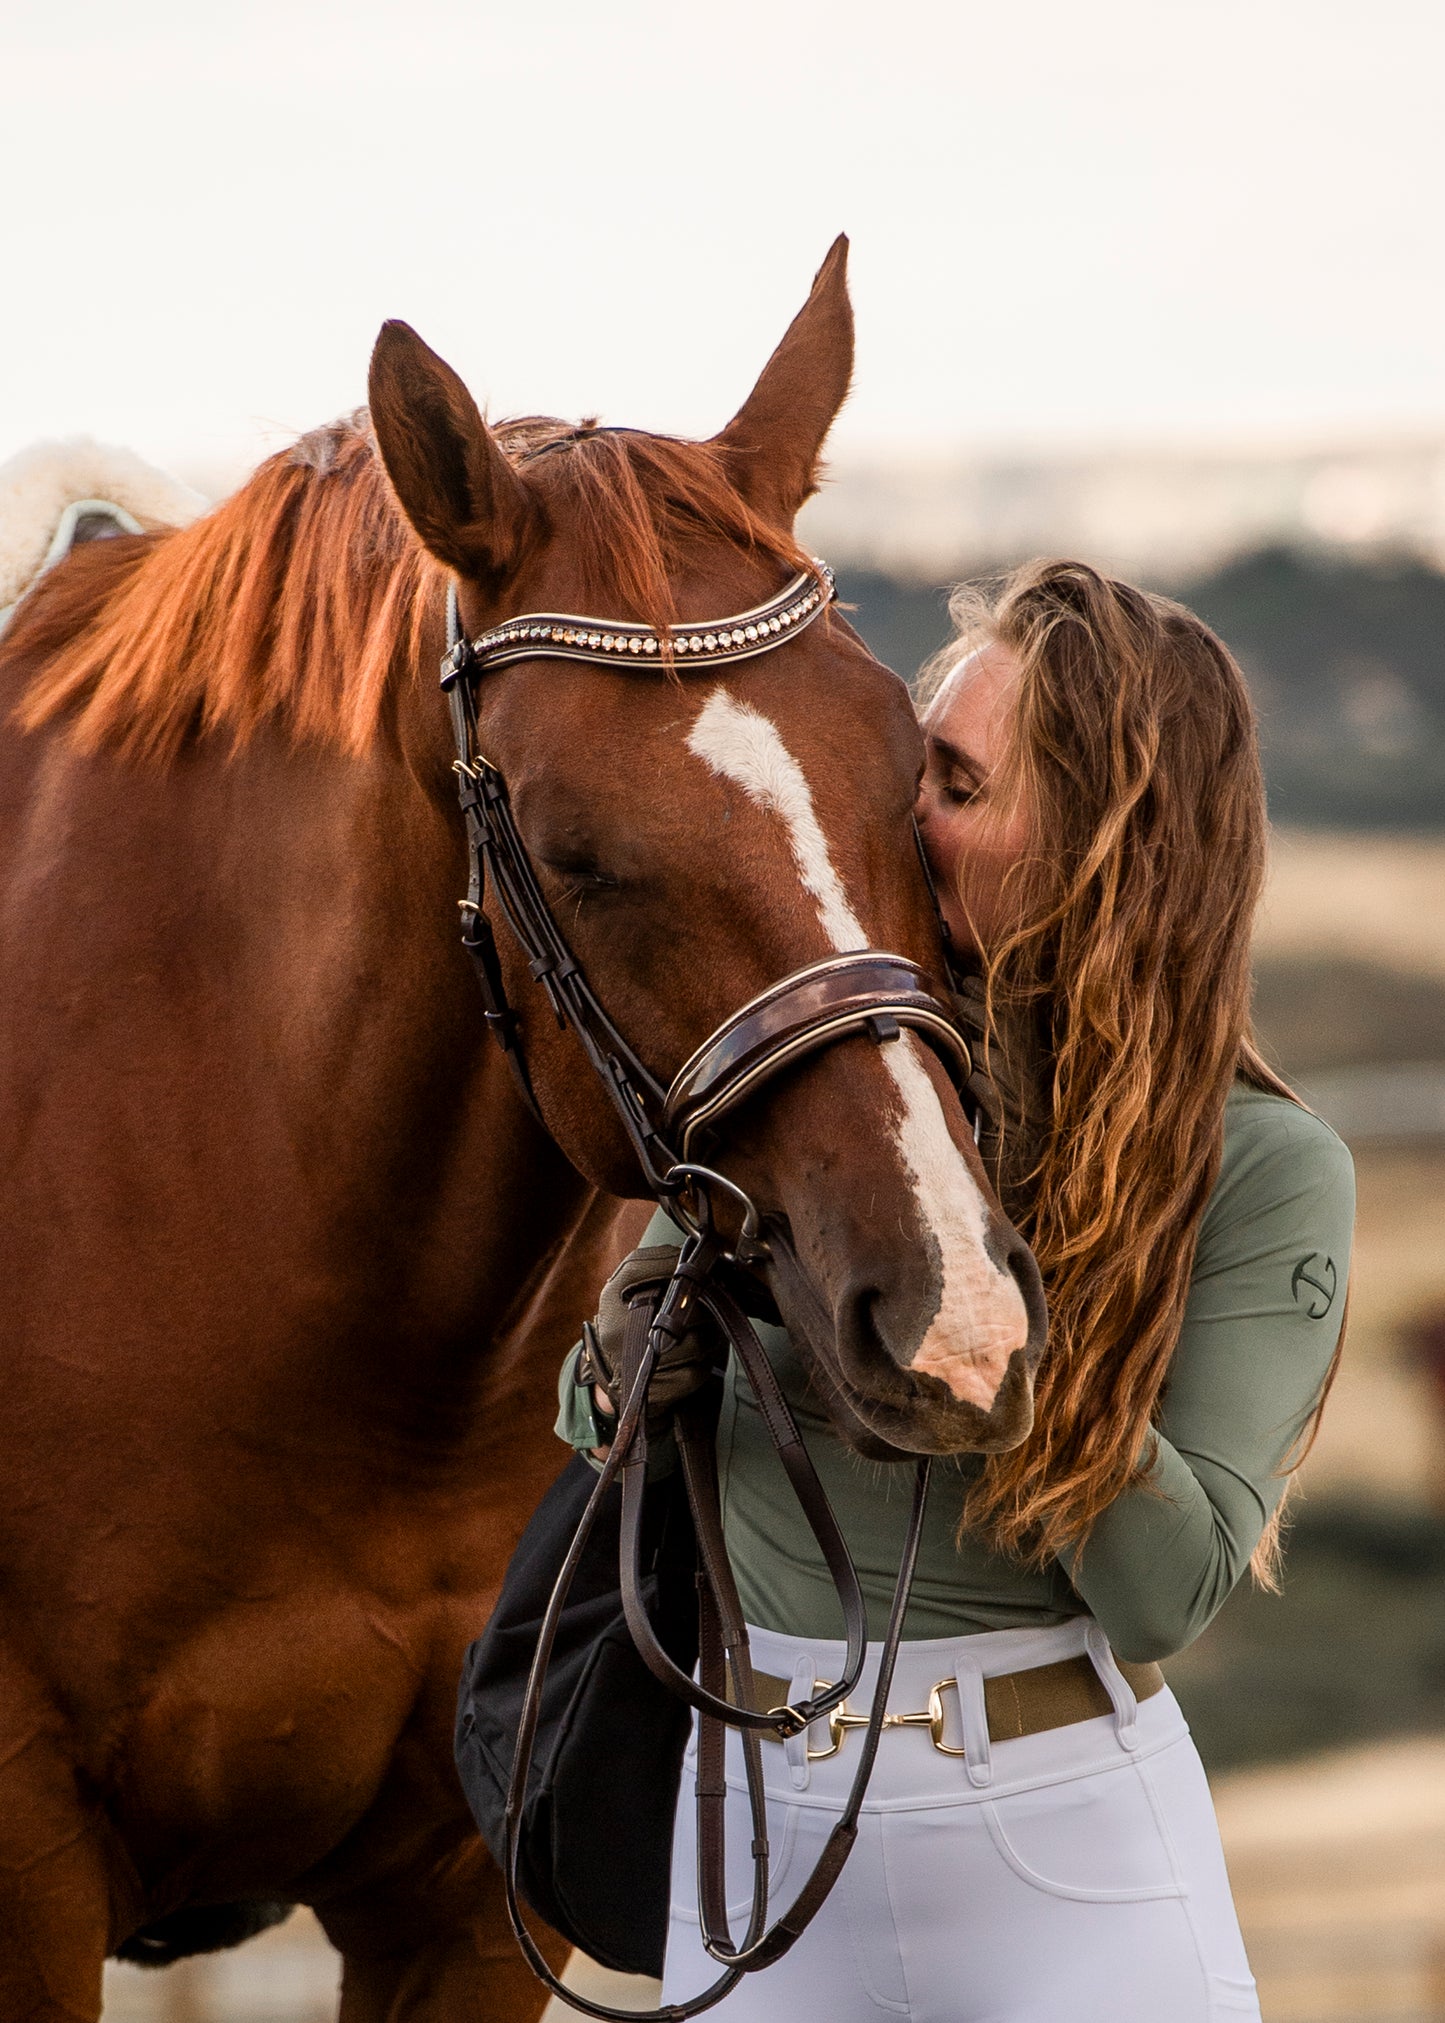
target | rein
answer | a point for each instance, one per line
(869, 992)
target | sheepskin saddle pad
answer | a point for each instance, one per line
(56, 494)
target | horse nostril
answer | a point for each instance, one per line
(870, 1329)
(1023, 1268)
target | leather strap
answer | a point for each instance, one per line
(478, 939)
(699, 1466)
(839, 1844)
(615, 642)
(869, 992)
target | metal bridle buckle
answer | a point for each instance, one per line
(842, 1719)
(750, 1248)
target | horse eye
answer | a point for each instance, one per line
(582, 875)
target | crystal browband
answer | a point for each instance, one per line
(561, 636)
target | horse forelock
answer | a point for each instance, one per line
(632, 504)
(303, 599)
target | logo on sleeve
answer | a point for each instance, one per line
(1313, 1284)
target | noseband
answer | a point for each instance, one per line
(868, 991)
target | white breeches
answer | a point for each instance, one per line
(1074, 1876)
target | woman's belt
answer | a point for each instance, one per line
(1017, 1703)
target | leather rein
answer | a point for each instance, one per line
(868, 992)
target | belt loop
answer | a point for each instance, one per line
(795, 1747)
(977, 1756)
(1126, 1706)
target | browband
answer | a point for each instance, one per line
(561, 635)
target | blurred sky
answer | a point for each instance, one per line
(1149, 219)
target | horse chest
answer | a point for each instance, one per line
(265, 1737)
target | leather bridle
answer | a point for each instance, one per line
(868, 992)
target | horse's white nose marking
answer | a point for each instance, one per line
(980, 1319)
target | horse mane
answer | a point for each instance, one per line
(303, 599)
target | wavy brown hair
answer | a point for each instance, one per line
(1134, 745)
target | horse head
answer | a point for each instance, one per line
(701, 831)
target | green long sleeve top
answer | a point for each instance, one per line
(1260, 1326)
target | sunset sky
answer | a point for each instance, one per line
(1141, 219)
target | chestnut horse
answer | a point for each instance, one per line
(290, 1267)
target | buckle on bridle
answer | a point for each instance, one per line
(456, 660)
(687, 1176)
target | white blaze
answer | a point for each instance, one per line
(981, 1318)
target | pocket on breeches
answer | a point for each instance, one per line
(1095, 1839)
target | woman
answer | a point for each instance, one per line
(1094, 815)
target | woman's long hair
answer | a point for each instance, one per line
(1135, 747)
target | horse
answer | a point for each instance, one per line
(291, 1261)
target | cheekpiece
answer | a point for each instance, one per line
(558, 635)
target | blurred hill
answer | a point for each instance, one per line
(1345, 656)
(1150, 512)
(1346, 660)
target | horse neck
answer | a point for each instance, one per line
(476, 1248)
(428, 1141)
(257, 1039)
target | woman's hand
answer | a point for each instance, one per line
(682, 1368)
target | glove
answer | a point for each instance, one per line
(1012, 1085)
(683, 1367)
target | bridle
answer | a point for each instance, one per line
(869, 992)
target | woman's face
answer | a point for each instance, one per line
(971, 839)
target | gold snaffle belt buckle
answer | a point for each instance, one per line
(841, 1719)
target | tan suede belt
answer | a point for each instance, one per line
(1018, 1703)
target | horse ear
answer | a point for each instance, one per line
(466, 502)
(775, 439)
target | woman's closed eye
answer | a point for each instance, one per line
(954, 774)
(958, 789)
